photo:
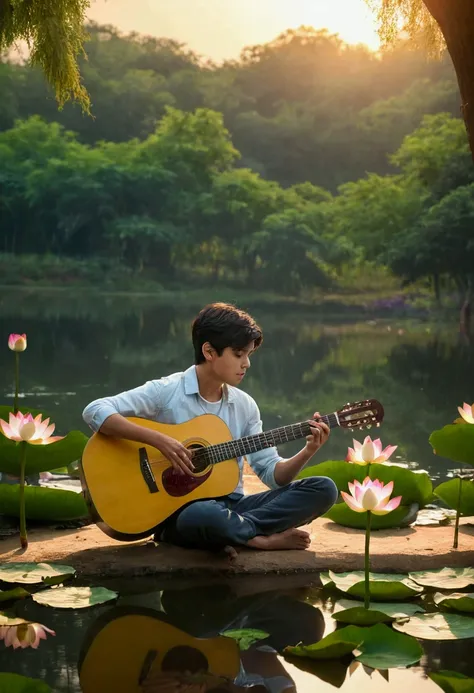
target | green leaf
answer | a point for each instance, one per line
(444, 578)
(437, 627)
(452, 681)
(10, 620)
(41, 503)
(14, 683)
(414, 487)
(333, 646)
(32, 573)
(74, 597)
(352, 612)
(382, 648)
(57, 579)
(339, 471)
(245, 637)
(332, 671)
(343, 515)
(458, 601)
(449, 494)
(456, 442)
(41, 458)
(15, 593)
(383, 586)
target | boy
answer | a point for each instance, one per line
(224, 339)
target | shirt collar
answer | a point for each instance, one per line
(191, 385)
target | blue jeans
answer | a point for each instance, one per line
(235, 519)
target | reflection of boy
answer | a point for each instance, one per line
(224, 340)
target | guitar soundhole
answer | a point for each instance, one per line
(200, 460)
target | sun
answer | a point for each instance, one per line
(351, 19)
(222, 28)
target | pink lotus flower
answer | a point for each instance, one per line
(369, 452)
(17, 342)
(23, 427)
(24, 635)
(467, 412)
(371, 496)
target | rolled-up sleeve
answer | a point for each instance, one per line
(143, 401)
(264, 461)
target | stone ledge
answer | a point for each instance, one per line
(91, 552)
(336, 548)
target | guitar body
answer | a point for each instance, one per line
(125, 651)
(131, 487)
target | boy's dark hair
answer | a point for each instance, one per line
(223, 325)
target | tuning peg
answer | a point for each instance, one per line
(378, 424)
(361, 428)
(369, 426)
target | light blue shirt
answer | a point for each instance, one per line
(176, 399)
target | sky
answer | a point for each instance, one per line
(219, 29)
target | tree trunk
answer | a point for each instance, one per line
(456, 21)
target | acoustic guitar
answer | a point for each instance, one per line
(132, 650)
(131, 488)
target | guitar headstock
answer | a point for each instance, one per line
(367, 413)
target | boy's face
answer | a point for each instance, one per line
(230, 367)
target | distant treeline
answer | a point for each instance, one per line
(241, 173)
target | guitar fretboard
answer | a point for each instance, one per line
(245, 446)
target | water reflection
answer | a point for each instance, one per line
(166, 638)
(80, 348)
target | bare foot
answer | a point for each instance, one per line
(291, 539)
(231, 553)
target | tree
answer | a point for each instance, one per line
(431, 21)
(54, 31)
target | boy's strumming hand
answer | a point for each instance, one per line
(319, 434)
(178, 456)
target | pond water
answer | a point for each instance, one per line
(123, 648)
(81, 347)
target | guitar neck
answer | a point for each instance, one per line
(260, 441)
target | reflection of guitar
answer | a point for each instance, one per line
(131, 488)
(131, 648)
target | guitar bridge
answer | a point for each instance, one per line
(146, 471)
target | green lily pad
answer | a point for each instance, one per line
(380, 647)
(32, 573)
(333, 646)
(343, 515)
(383, 586)
(41, 458)
(41, 503)
(452, 681)
(383, 648)
(15, 593)
(74, 597)
(332, 671)
(7, 619)
(245, 637)
(456, 442)
(14, 683)
(445, 578)
(414, 487)
(352, 612)
(437, 627)
(457, 601)
(448, 491)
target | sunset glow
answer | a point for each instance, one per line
(221, 28)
